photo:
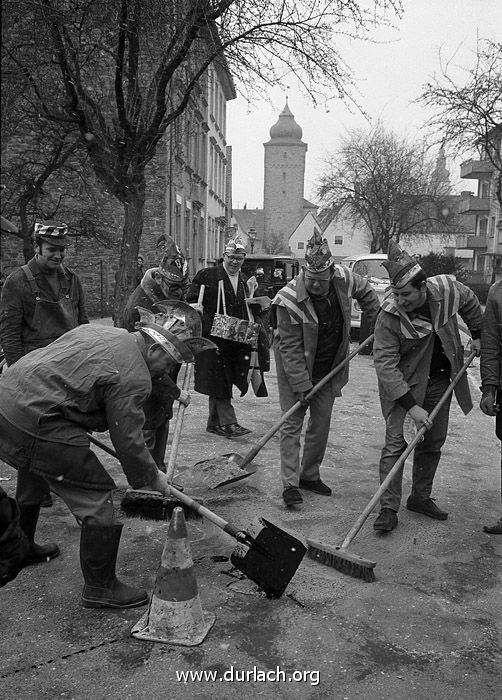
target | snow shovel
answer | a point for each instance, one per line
(220, 471)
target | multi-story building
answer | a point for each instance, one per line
(485, 242)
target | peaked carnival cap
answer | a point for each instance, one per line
(400, 265)
(175, 330)
(318, 255)
(51, 232)
(234, 246)
(173, 263)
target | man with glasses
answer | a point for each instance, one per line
(217, 373)
(312, 337)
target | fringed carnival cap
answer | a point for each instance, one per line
(235, 247)
(402, 268)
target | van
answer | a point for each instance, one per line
(368, 266)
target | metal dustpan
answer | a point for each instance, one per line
(272, 559)
(220, 471)
(223, 470)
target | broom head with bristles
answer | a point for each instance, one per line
(342, 560)
(153, 506)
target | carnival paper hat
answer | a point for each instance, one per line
(177, 334)
(318, 255)
(173, 262)
(235, 246)
(400, 265)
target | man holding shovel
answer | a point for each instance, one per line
(312, 337)
(417, 350)
(491, 370)
(92, 378)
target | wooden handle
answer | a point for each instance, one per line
(201, 294)
(193, 505)
(402, 459)
(263, 441)
(178, 427)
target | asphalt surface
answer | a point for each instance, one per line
(429, 626)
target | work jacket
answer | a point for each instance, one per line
(295, 340)
(491, 339)
(92, 378)
(402, 349)
(32, 315)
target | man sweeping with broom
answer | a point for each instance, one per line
(417, 350)
(92, 378)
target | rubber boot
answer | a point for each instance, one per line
(28, 519)
(99, 545)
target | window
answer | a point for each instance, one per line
(300, 245)
(338, 240)
(485, 189)
(483, 227)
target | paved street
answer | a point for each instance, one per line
(430, 626)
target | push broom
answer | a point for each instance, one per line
(339, 557)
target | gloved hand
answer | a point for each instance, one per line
(487, 403)
(197, 307)
(300, 396)
(184, 397)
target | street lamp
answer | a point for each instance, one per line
(252, 237)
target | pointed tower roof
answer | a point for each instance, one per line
(286, 129)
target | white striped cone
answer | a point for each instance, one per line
(175, 613)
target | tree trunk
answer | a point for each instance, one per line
(125, 279)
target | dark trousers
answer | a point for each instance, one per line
(221, 412)
(427, 453)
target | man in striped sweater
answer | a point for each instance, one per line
(417, 350)
(312, 337)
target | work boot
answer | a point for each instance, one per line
(494, 529)
(386, 521)
(317, 486)
(291, 496)
(28, 519)
(99, 546)
(426, 506)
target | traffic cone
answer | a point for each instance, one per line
(175, 613)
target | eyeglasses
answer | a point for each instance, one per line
(235, 258)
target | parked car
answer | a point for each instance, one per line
(272, 272)
(369, 266)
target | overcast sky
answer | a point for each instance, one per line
(389, 77)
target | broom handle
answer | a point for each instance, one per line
(178, 427)
(402, 459)
(263, 441)
(193, 505)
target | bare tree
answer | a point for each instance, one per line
(468, 109)
(388, 185)
(129, 68)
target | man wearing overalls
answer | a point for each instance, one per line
(40, 302)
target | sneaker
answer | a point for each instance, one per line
(236, 430)
(317, 486)
(426, 506)
(292, 496)
(386, 521)
(494, 529)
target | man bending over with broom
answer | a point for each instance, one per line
(312, 337)
(92, 378)
(417, 350)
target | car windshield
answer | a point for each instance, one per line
(372, 269)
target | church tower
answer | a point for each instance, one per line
(284, 177)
